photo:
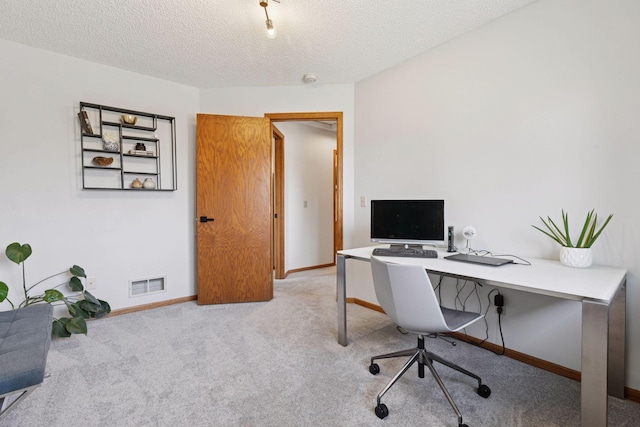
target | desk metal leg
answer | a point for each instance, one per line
(603, 356)
(595, 327)
(617, 335)
(341, 283)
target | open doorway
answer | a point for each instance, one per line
(337, 184)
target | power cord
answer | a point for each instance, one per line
(474, 291)
(497, 299)
(484, 252)
(458, 292)
(484, 318)
(524, 261)
(501, 336)
(439, 288)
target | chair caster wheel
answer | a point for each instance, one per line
(462, 425)
(374, 369)
(484, 391)
(381, 410)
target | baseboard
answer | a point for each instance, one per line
(521, 357)
(366, 304)
(152, 305)
(629, 393)
(313, 267)
(632, 394)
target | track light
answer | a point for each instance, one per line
(271, 30)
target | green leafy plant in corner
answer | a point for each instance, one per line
(587, 237)
(81, 304)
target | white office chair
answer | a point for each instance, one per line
(407, 297)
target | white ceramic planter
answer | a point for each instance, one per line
(576, 257)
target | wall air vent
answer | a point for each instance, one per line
(147, 286)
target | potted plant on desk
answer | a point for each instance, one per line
(578, 254)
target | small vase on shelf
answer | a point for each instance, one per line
(149, 184)
(110, 141)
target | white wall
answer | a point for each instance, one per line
(257, 101)
(115, 235)
(533, 113)
(308, 201)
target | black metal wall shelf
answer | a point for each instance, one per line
(131, 157)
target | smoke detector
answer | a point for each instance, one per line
(309, 78)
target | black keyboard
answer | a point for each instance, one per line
(406, 252)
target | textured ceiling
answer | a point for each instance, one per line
(215, 43)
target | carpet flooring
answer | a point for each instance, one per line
(278, 363)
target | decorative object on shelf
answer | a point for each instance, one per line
(578, 254)
(110, 141)
(129, 119)
(136, 183)
(84, 122)
(140, 146)
(141, 153)
(102, 161)
(80, 305)
(149, 184)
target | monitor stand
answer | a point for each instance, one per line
(405, 246)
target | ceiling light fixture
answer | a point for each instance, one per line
(271, 30)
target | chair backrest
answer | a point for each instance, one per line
(407, 297)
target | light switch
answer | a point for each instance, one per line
(305, 203)
(363, 202)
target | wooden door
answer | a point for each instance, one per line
(234, 209)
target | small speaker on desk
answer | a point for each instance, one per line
(450, 245)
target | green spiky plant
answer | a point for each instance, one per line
(81, 305)
(588, 236)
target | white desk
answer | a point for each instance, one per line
(601, 290)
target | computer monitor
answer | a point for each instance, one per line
(408, 222)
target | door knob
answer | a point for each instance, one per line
(205, 219)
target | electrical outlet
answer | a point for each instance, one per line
(91, 283)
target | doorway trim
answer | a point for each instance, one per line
(338, 190)
(278, 200)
